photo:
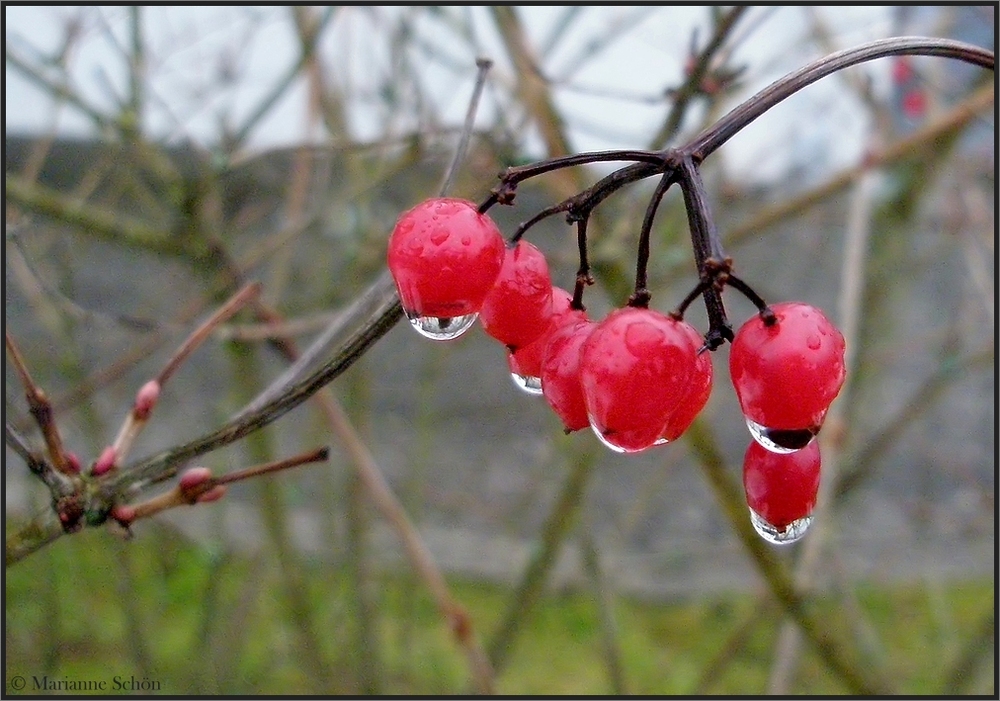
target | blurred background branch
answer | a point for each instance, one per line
(156, 161)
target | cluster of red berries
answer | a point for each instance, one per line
(787, 368)
(637, 377)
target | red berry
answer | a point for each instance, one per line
(698, 391)
(788, 373)
(561, 373)
(781, 490)
(914, 103)
(902, 70)
(526, 362)
(635, 370)
(444, 257)
(517, 309)
(525, 366)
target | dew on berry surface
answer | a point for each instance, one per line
(444, 257)
(781, 490)
(780, 536)
(527, 383)
(442, 328)
(561, 385)
(635, 369)
(525, 367)
(620, 443)
(525, 362)
(519, 308)
(778, 440)
(787, 374)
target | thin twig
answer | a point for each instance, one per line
(954, 119)
(40, 408)
(148, 394)
(483, 66)
(100, 223)
(732, 123)
(698, 72)
(310, 39)
(204, 485)
(239, 300)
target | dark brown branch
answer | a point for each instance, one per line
(728, 126)
(708, 254)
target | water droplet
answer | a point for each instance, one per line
(814, 341)
(779, 440)
(609, 441)
(442, 328)
(780, 536)
(439, 236)
(527, 383)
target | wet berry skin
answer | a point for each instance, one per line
(518, 308)
(526, 361)
(781, 487)
(698, 392)
(561, 373)
(444, 257)
(635, 370)
(788, 373)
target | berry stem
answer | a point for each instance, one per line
(583, 276)
(524, 226)
(765, 311)
(516, 174)
(699, 289)
(580, 205)
(509, 179)
(713, 265)
(641, 296)
(584, 202)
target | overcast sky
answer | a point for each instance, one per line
(611, 99)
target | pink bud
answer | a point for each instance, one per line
(213, 494)
(73, 462)
(194, 477)
(123, 513)
(145, 400)
(105, 463)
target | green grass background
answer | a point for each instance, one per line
(199, 620)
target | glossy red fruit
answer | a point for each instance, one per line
(781, 488)
(635, 370)
(914, 103)
(445, 258)
(517, 310)
(787, 374)
(698, 392)
(526, 362)
(560, 376)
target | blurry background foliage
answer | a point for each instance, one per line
(174, 152)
